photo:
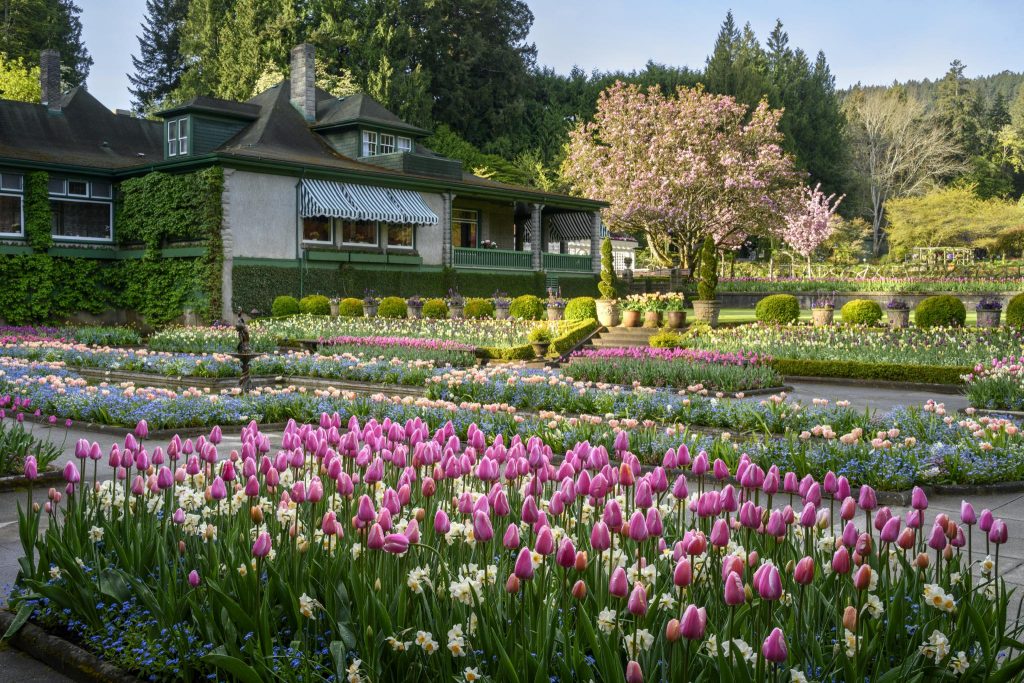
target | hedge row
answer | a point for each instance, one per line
(256, 286)
(855, 369)
(561, 345)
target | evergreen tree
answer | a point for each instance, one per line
(28, 26)
(959, 110)
(720, 70)
(159, 66)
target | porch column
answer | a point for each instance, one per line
(446, 229)
(537, 237)
(595, 241)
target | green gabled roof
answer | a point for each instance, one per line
(214, 105)
(358, 109)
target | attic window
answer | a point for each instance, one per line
(177, 137)
(375, 143)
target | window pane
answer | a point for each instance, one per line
(78, 188)
(10, 215)
(387, 143)
(90, 220)
(361, 232)
(172, 130)
(316, 229)
(56, 186)
(101, 188)
(404, 144)
(183, 136)
(10, 181)
(464, 227)
(400, 236)
(369, 143)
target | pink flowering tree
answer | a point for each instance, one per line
(676, 169)
(811, 221)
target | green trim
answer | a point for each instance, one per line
(323, 255)
(361, 122)
(359, 257)
(254, 261)
(404, 258)
(178, 252)
(83, 252)
(14, 249)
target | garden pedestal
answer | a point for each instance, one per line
(899, 318)
(989, 318)
(822, 317)
(707, 312)
(607, 312)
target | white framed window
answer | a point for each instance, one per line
(401, 236)
(101, 189)
(12, 215)
(183, 136)
(74, 219)
(404, 144)
(369, 143)
(57, 186)
(359, 233)
(172, 138)
(11, 182)
(78, 188)
(318, 230)
(386, 144)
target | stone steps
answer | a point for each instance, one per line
(617, 337)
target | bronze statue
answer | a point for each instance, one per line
(243, 334)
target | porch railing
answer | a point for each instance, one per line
(496, 259)
(572, 263)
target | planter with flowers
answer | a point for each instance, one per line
(990, 310)
(555, 307)
(675, 313)
(652, 310)
(632, 310)
(414, 307)
(456, 304)
(540, 339)
(898, 313)
(370, 303)
(823, 310)
(502, 303)
(335, 307)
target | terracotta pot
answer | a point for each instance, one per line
(652, 318)
(501, 312)
(822, 317)
(989, 318)
(674, 320)
(899, 318)
(607, 312)
(631, 318)
(369, 310)
(455, 312)
(414, 312)
(555, 313)
(707, 312)
(540, 350)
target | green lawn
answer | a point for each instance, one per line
(746, 315)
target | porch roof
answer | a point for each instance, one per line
(564, 227)
(364, 203)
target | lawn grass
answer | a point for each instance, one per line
(746, 315)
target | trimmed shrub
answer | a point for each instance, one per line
(527, 307)
(315, 304)
(573, 336)
(392, 307)
(286, 305)
(944, 310)
(855, 369)
(435, 308)
(478, 308)
(1015, 311)
(861, 312)
(351, 308)
(778, 309)
(581, 308)
(666, 339)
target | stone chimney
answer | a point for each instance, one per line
(303, 80)
(49, 78)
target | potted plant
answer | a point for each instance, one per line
(456, 302)
(370, 303)
(897, 311)
(823, 309)
(540, 340)
(632, 308)
(414, 307)
(335, 307)
(652, 310)
(675, 312)
(502, 302)
(555, 306)
(706, 307)
(989, 311)
(607, 305)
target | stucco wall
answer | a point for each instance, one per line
(262, 213)
(429, 237)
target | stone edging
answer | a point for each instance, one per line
(879, 384)
(61, 655)
(45, 479)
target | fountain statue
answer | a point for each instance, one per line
(244, 352)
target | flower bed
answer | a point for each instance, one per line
(394, 551)
(997, 385)
(439, 352)
(18, 443)
(651, 367)
(83, 334)
(910, 285)
(214, 339)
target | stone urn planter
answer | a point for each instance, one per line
(675, 320)
(555, 312)
(707, 312)
(540, 349)
(501, 311)
(607, 312)
(335, 308)
(369, 310)
(455, 310)
(631, 318)
(415, 311)
(822, 317)
(652, 318)
(899, 318)
(989, 318)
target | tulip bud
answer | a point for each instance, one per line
(633, 672)
(579, 590)
(581, 561)
(774, 647)
(804, 572)
(862, 578)
(850, 618)
(922, 561)
(672, 633)
(512, 585)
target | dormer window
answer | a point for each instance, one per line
(375, 143)
(404, 144)
(177, 137)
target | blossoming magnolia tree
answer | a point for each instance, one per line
(811, 222)
(679, 168)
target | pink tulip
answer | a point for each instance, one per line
(524, 565)
(566, 555)
(841, 561)
(442, 525)
(511, 538)
(890, 532)
(984, 520)
(638, 527)
(637, 604)
(545, 542)
(634, 674)
(693, 623)
(918, 499)
(720, 534)
(365, 512)
(937, 538)
(193, 578)
(396, 544)
(31, 468)
(142, 429)
(733, 590)
(252, 487)
(862, 578)
(71, 474)
(178, 517)
(967, 515)
(866, 498)
(731, 564)
(769, 583)
(906, 539)
(375, 539)
(617, 583)
(775, 527)
(682, 576)
(774, 647)
(261, 548)
(600, 539)
(482, 529)
(999, 533)
(803, 573)
(847, 509)
(218, 490)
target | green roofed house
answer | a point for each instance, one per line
(311, 182)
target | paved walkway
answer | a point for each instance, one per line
(15, 666)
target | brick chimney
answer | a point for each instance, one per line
(303, 80)
(49, 78)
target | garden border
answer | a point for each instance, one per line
(945, 389)
(50, 477)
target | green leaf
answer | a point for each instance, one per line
(234, 666)
(19, 620)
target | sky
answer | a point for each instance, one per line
(865, 41)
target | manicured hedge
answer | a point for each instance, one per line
(435, 308)
(861, 312)
(392, 307)
(478, 308)
(527, 307)
(1015, 311)
(778, 309)
(944, 310)
(560, 345)
(315, 304)
(350, 308)
(851, 369)
(284, 305)
(581, 308)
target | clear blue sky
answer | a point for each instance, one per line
(870, 41)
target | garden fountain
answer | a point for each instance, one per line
(243, 353)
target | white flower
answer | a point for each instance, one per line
(666, 602)
(797, 676)
(873, 606)
(606, 621)
(307, 605)
(959, 663)
(96, 534)
(54, 572)
(642, 642)
(418, 578)
(937, 646)
(470, 674)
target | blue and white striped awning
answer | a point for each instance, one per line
(563, 227)
(364, 203)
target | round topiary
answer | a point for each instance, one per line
(351, 308)
(666, 339)
(944, 310)
(285, 305)
(315, 304)
(435, 308)
(861, 312)
(778, 309)
(581, 308)
(527, 307)
(1015, 311)
(392, 307)
(478, 308)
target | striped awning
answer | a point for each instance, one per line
(563, 227)
(364, 203)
